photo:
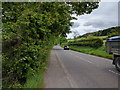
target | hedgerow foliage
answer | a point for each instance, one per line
(91, 42)
(29, 31)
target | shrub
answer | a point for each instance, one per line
(26, 58)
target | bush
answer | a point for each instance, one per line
(91, 42)
(26, 58)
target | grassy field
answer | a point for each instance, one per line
(98, 52)
(102, 37)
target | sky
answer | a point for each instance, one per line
(105, 16)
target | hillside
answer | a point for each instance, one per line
(106, 32)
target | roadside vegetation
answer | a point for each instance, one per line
(35, 81)
(93, 43)
(29, 31)
(93, 51)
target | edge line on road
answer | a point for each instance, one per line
(114, 72)
(71, 81)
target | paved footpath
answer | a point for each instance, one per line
(56, 76)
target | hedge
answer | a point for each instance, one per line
(91, 42)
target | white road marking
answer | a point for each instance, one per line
(114, 72)
(90, 62)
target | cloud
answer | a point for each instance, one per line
(105, 16)
(101, 24)
(109, 0)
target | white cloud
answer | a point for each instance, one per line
(110, 0)
(105, 16)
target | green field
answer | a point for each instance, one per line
(102, 37)
(93, 51)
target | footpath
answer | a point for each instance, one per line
(55, 76)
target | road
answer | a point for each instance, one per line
(83, 70)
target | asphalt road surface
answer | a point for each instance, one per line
(86, 71)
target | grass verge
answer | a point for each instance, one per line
(36, 81)
(88, 50)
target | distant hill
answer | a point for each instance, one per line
(106, 32)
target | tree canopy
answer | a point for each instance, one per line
(42, 18)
